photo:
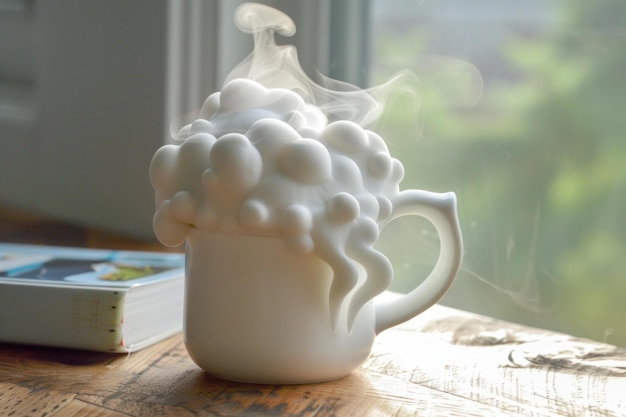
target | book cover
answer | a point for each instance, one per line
(106, 300)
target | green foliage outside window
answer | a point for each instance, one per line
(538, 165)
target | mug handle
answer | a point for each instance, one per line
(441, 210)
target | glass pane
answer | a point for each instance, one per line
(538, 160)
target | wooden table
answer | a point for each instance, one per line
(443, 363)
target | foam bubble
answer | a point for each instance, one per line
(380, 165)
(254, 215)
(236, 164)
(306, 161)
(342, 208)
(346, 136)
(296, 220)
(182, 207)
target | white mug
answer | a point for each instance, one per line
(280, 209)
(258, 311)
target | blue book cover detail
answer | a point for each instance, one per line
(59, 265)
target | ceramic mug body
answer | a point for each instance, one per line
(257, 311)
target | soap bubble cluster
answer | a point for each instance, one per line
(263, 162)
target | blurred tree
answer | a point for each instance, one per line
(540, 170)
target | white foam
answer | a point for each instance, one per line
(267, 162)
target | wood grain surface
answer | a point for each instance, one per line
(444, 363)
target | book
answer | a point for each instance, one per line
(102, 300)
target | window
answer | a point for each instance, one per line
(538, 161)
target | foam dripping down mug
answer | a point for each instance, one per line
(280, 210)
